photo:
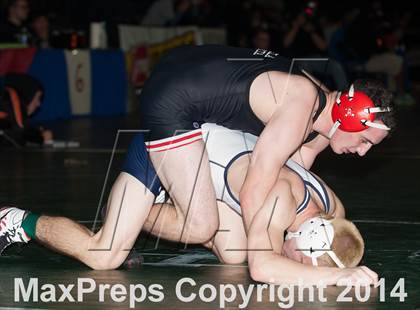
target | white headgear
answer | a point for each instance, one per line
(314, 238)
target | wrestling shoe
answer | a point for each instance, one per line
(11, 230)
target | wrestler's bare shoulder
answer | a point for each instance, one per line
(272, 90)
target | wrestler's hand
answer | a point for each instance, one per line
(361, 275)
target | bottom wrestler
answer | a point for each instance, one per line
(134, 192)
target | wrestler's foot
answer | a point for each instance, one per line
(11, 230)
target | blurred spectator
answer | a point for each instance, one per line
(13, 28)
(160, 13)
(41, 31)
(204, 13)
(305, 39)
(261, 39)
(389, 60)
(386, 61)
(258, 19)
(335, 32)
(362, 32)
(19, 100)
(238, 25)
(179, 12)
(242, 40)
(251, 24)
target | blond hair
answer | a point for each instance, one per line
(348, 244)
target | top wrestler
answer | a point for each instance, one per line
(254, 91)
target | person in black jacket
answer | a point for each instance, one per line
(13, 28)
(20, 99)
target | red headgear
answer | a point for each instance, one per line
(354, 111)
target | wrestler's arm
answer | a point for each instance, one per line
(282, 136)
(316, 81)
(336, 205)
(265, 242)
(305, 156)
(339, 210)
(266, 264)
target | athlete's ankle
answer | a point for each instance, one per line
(29, 224)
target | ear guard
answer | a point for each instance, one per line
(314, 238)
(354, 111)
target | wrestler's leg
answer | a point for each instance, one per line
(185, 173)
(229, 243)
(165, 221)
(128, 206)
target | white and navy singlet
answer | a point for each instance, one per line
(224, 146)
